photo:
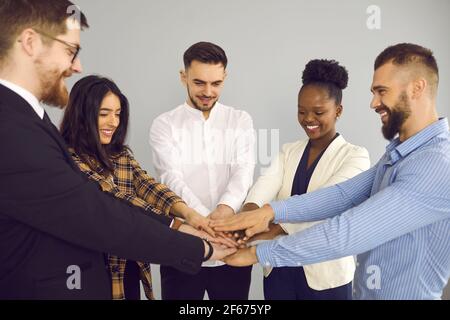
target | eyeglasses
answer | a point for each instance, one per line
(77, 48)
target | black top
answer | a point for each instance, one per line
(303, 173)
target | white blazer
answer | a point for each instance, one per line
(340, 161)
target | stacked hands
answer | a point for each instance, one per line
(233, 236)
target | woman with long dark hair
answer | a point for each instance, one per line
(94, 127)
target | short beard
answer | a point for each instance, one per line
(398, 114)
(53, 94)
(196, 106)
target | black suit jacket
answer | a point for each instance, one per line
(53, 217)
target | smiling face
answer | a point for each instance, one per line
(317, 113)
(390, 99)
(55, 64)
(204, 83)
(108, 117)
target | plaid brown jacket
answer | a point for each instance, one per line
(131, 183)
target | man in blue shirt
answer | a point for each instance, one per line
(396, 216)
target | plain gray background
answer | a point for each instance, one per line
(139, 44)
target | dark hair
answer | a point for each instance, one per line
(205, 52)
(328, 75)
(79, 126)
(48, 16)
(403, 54)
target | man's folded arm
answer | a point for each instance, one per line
(40, 188)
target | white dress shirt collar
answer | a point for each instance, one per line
(27, 95)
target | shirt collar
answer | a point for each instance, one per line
(397, 149)
(26, 95)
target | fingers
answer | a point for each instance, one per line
(239, 234)
(232, 224)
(228, 234)
(201, 223)
(242, 257)
(238, 238)
(220, 252)
(243, 245)
(208, 230)
(228, 226)
(230, 242)
(251, 232)
(222, 241)
(256, 238)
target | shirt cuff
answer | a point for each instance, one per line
(280, 211)
(232, 202)
(176, 223)
(285, 227)
(255, 201)
(168, 208)
(264, 254)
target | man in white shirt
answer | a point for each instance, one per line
(204, 152)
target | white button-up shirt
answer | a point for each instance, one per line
(26, 95)
(205, 161)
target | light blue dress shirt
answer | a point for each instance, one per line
(395, 217)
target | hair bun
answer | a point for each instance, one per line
(321, 70)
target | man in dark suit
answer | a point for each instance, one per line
(55, 225)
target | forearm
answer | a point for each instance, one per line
(124, 229)
(325, 203)
(181, 210)
(357, 230)
(154, 193)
